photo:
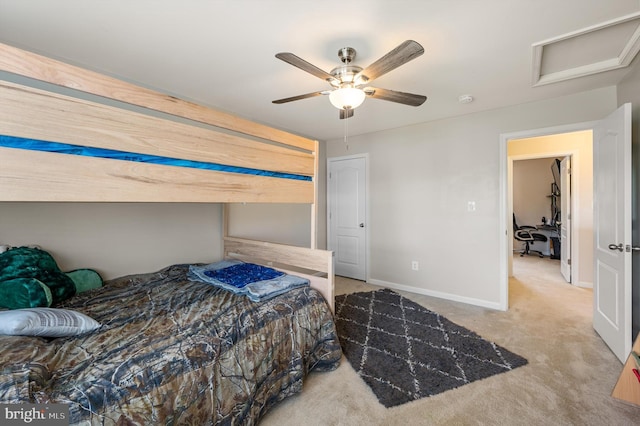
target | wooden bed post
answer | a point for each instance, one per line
(225, 220)
(314, 206)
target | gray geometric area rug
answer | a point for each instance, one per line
(405, 352)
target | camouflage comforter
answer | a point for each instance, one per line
(174, 351)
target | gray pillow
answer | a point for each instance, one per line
(45, 322)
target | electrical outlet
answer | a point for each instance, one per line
(415, 265)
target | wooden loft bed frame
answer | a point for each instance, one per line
(148, 123)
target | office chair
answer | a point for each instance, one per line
(526, 235)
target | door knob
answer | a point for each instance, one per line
(361, 225)
(616, 247)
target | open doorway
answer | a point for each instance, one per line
(578, 146)
(604, 250)
(541, 213)
(541, 209)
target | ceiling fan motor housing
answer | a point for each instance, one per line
(347, 54)
(345, 75)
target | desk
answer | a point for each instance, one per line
(628, 386)
(544, 246)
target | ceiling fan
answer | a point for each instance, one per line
(350, 82)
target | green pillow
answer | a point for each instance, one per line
(28, 262)
(85, 279)
(18, 293)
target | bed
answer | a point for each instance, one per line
(173, 351)
(73, 135)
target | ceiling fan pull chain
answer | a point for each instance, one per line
(346, 124)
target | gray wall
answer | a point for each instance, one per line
(116, 238)
(532, 181)
(277, 223)
(421, 179)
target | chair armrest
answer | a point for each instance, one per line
(523, 235)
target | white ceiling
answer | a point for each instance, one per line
(221, 53)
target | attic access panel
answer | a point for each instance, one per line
(603, 47)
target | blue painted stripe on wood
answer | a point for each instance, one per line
(65, 148)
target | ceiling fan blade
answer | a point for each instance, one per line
(346, 113)
(299, 97)
(400, 55)
(296, 61)
(394, 96)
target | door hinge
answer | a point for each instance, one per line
(568, 261)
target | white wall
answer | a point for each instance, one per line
(116, 239)
(423, 176)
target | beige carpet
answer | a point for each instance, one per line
(568, 380)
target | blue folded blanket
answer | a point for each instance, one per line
(241, 275)
(257, 282)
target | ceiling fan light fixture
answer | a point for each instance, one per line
(347, 98)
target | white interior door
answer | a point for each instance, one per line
(565, 220)
(346, 211)
(612, 230)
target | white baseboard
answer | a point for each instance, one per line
(583, 284)
(446, 296)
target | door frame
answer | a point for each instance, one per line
(367, 221)
(574, 200)
(567, 181)
(506, 200)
